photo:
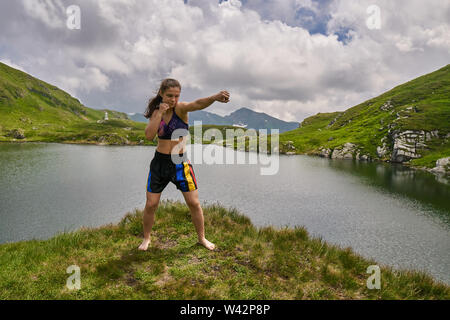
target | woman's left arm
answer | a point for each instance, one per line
(203, 103)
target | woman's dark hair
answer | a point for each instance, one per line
(155, 101)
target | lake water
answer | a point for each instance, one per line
(395, 215)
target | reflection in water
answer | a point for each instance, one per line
(401, 180)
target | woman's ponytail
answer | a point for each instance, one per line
(152, 105)
(155, 101)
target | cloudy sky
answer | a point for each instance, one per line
(288, 58)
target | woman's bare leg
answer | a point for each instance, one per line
(149, 217)
(193, 203)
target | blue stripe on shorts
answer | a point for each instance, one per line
(148, 181)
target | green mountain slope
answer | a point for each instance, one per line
(33, 110)
(408, 124)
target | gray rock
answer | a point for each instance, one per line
(442, 166)
(364, 157)
(407, 145)
(325, 153)
(332, 122)
(17, 133)
(289, 145)
(387, 106)
(382, 151)
(432, 135)
(443, 162)
(345, 152)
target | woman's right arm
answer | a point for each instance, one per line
(153, 125)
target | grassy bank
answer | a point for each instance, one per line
(250, 263)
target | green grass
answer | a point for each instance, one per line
(438, 150)
(249, 263)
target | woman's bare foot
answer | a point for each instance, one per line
(208, 245)
(144, 244)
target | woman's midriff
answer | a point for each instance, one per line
(166, 146)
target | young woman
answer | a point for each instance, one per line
(166, 115)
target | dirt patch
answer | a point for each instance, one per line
(164, 278)
(164, 243)
(195, 260)
(131, 281)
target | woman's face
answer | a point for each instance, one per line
(171, 96)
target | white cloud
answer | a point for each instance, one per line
(47, 11)
(86, 79)
(253, 49)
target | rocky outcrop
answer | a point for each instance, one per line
(17, 133)
(363, 157)
(325, 152)
(347, 151)
(431, 135)
(288, 147)
(383, 151)
(333, 121)
(387, 106)
(407, 145)
(26, 120)
(442, 166)
(402, 146)
(344, 152)
(109, 138)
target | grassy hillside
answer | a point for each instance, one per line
(42, 112)
(249, 263)
(420, 104)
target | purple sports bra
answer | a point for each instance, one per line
(166, 129)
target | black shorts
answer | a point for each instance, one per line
(164, 170)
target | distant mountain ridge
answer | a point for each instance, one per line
(244, 117)
(137, 117)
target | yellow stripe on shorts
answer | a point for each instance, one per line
(187, 173)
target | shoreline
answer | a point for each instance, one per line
(438, 176)
(250, 263)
